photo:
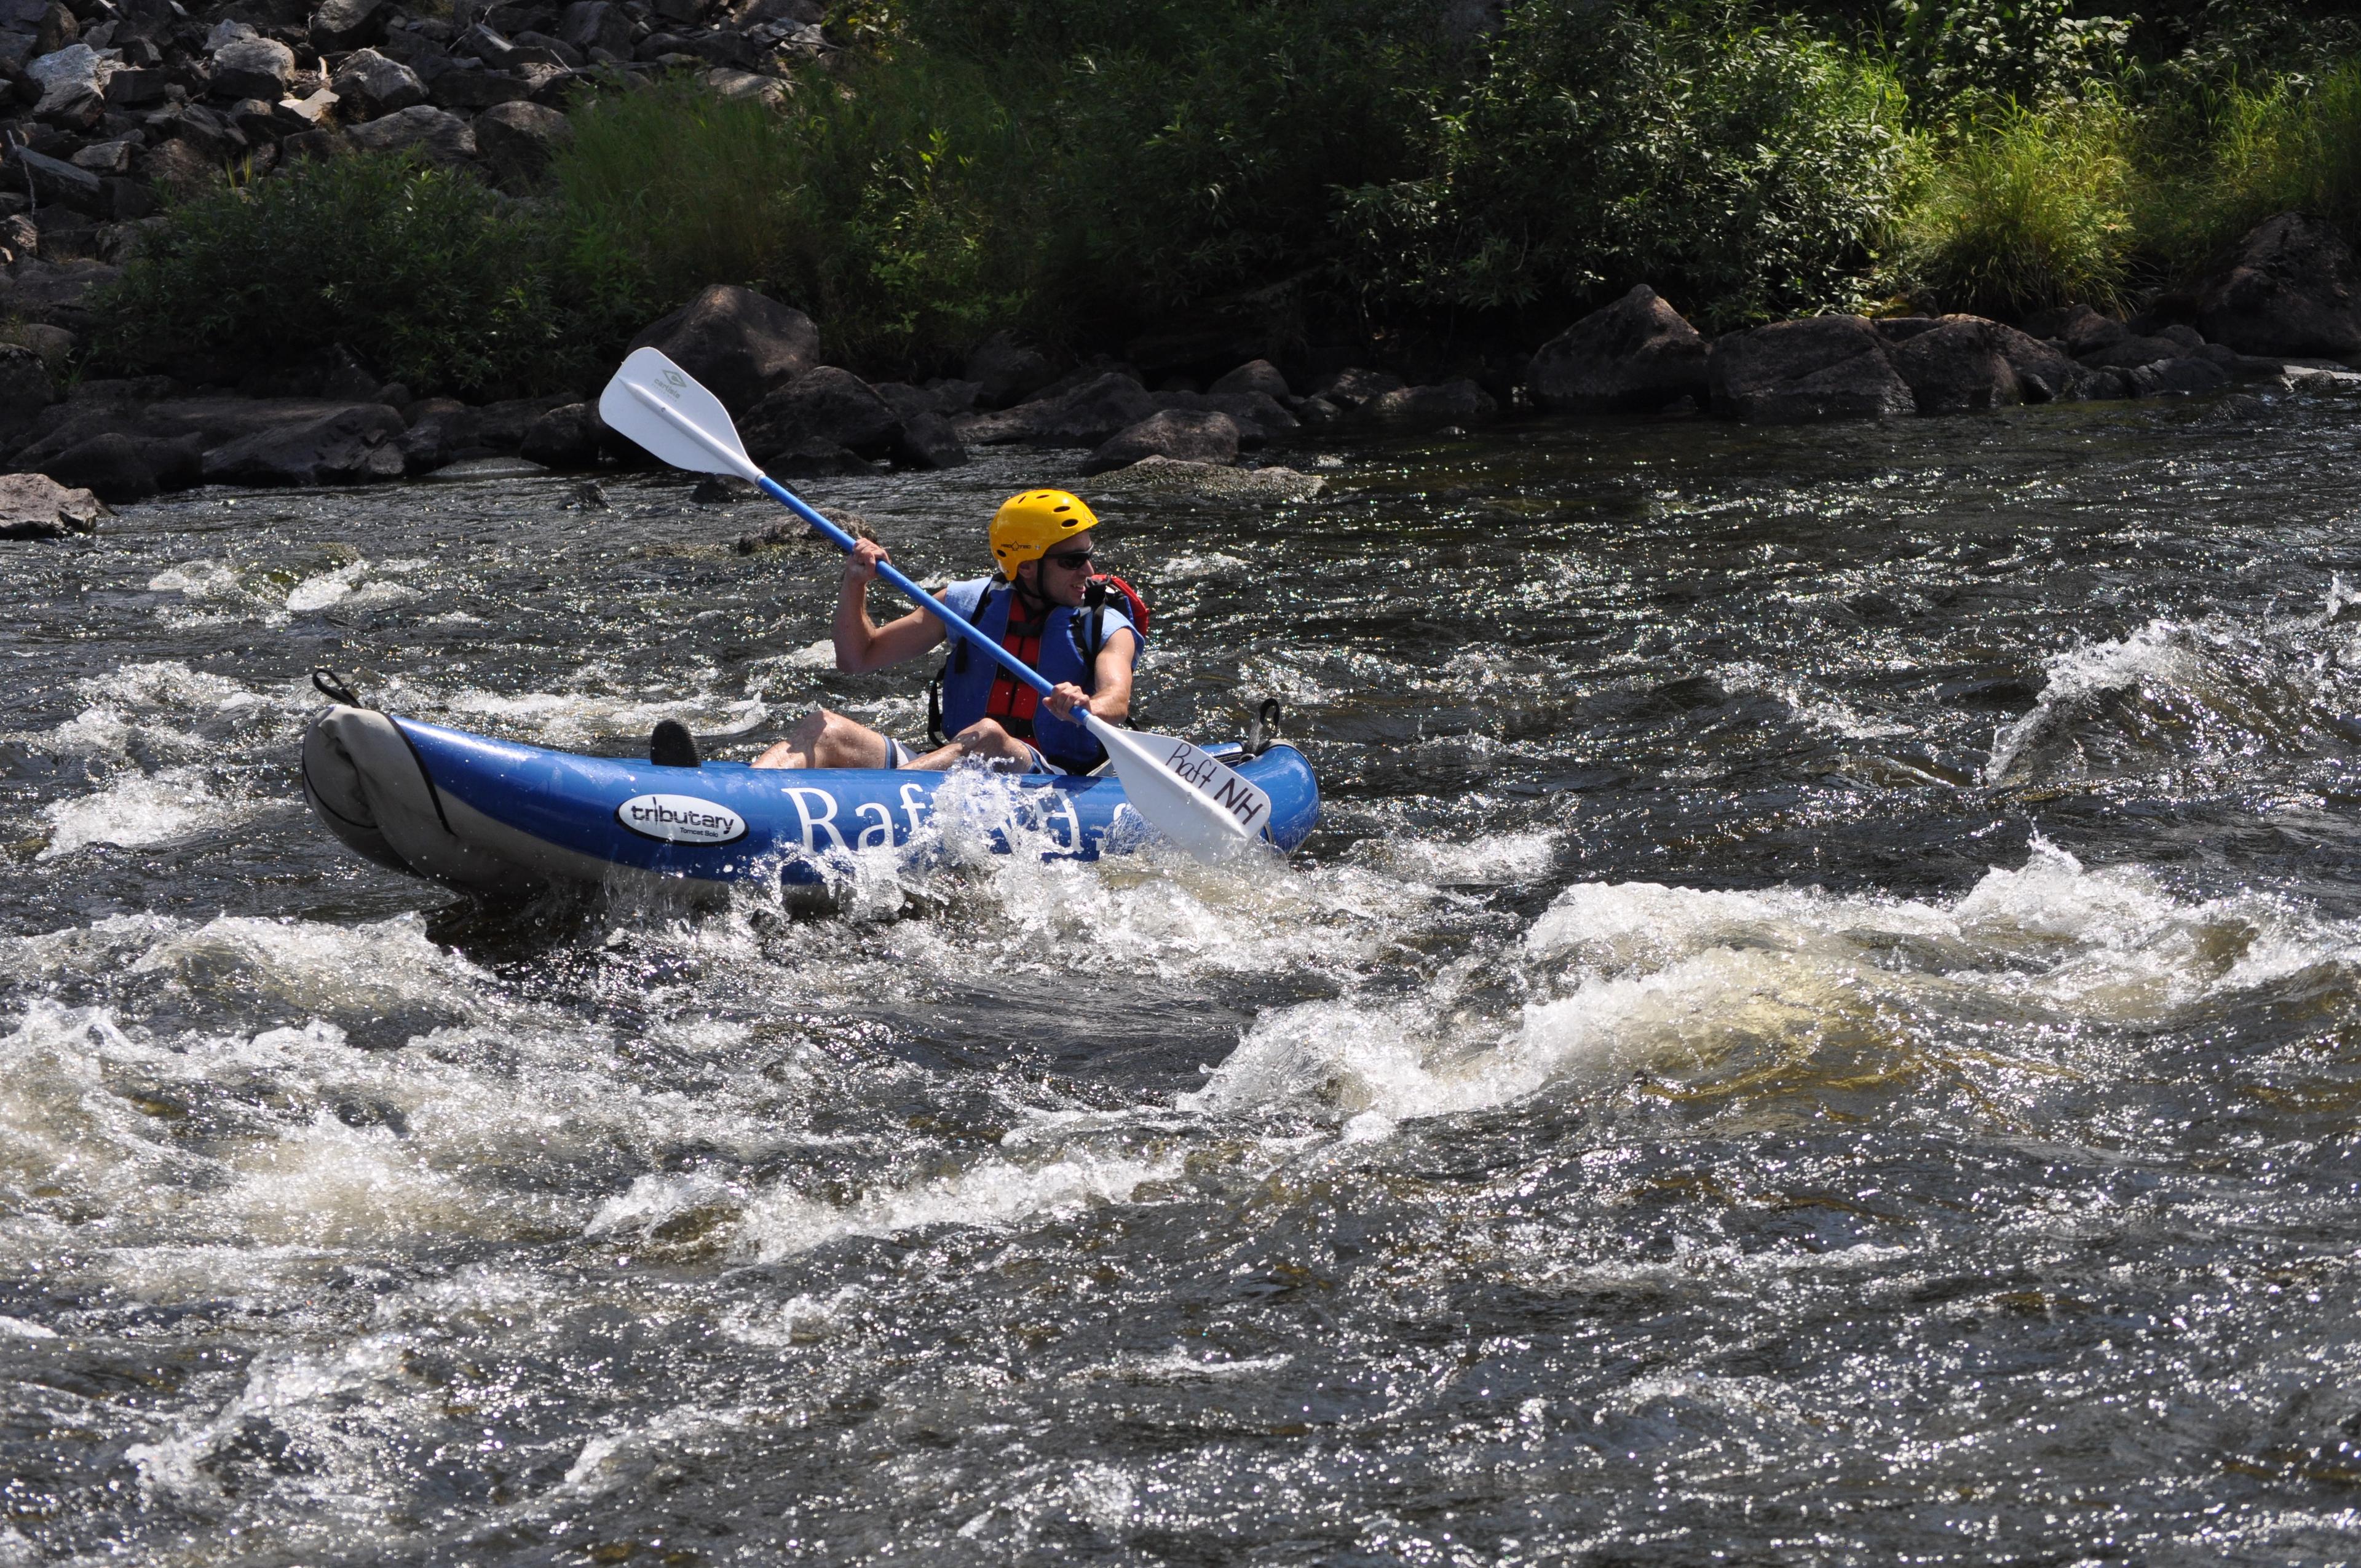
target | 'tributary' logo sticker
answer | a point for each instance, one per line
(681, 819)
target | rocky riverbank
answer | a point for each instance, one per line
(117, 103)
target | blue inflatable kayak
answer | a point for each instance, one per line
(495, 815)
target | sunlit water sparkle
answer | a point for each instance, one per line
(1820, 1026)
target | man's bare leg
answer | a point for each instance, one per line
(983, 741)
(825, 740)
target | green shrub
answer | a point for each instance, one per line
(1743, 170)
(2293, 146)
(428, 276)
(2030, 210)
(680, 186)
(918, 209)
(1967, 59)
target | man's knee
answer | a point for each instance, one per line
(814, 741)
(985, 738)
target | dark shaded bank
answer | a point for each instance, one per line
(398, 241)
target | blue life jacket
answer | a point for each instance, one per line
(1063, 655)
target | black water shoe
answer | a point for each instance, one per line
(671, 747)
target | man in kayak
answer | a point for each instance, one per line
(1034, 608)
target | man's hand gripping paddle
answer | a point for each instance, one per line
(1185, 794)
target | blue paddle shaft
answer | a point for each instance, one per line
(918, 595)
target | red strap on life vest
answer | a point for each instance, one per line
(1011, 701)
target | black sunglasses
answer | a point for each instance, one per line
(1070, 560)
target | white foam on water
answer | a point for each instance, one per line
(198, 580)
(108, 733)
(1816, 709)
(177, 1164)
(375, 967)
(1708, 986)
(135, 809)
(1103, 1495)
(17, 1328)
(360, 585)
(2189, 687)
(1202, 564)
(588, 713)
(654, 1198)
(612, 1459)
(1177, 1365)
(1492, 860)
(781, 1221)
(309, 1396)
(799, 1320)
(1155, 910)
(170, 684)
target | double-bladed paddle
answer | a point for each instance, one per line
(1199, 805)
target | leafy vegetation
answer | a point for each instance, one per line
(1086, 170)
(2030, 210)
(1744, 168)
(429, 276)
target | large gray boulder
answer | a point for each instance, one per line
(2184, 376)
(1254, 376)
(1005, 371)
(2127, 352)
(58, 294)
(340, 25)
(377, 86)
(2044, 374)
(1635, 355)
(1350, 388)
(467, 90)
(56, 182)
(119, 467)
(740, 343)
(2078, 328)
(597, 25)
(437, 133)
(570, 436)
(349, 445)
(73, 82)
(928, 440)
(1259, 416)
(518, 140)
(2291, 292)
(252, 68)
(1084, 415)
(1819, 368)
(1190, 436)
(1454, 403)
(1958, 365)
(34, 506)
(818, 416)
(25, 390)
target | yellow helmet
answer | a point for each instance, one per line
(1026, 525)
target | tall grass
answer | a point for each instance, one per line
(2034, 208)
(684, 187)
(2292, 146)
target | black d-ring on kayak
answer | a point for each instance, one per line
(1262, 730)
(334, 687)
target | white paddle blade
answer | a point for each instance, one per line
(661, 406)
(1185, 794)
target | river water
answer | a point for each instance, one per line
(1822, 1025)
